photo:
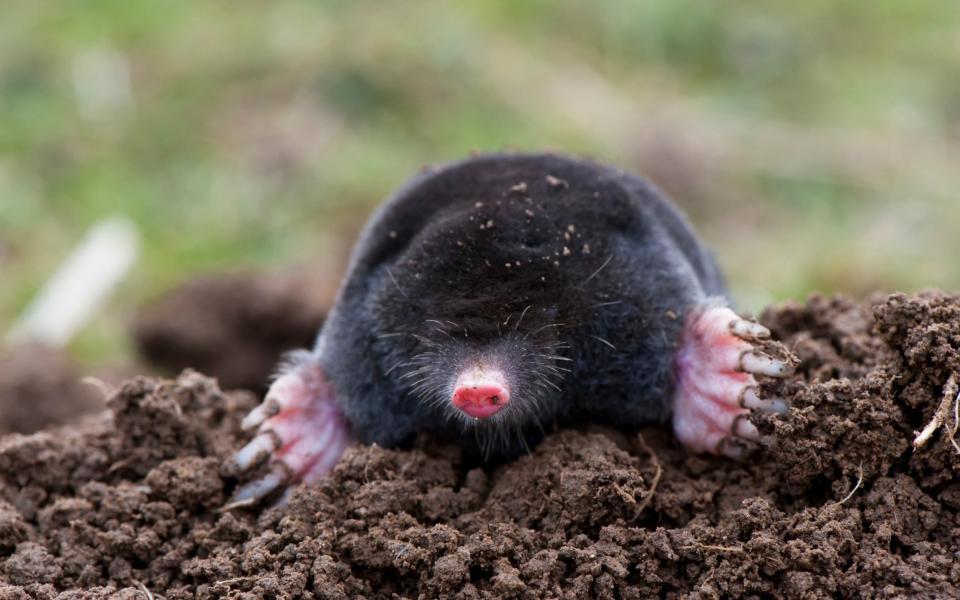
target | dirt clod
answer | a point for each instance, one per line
(838, 504)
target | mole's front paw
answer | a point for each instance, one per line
(300, 430)
(716, 388)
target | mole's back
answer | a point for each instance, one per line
(572, 191)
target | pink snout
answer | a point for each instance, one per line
(481, 393)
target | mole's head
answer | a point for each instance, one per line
(475, 329)
(482, 363)
(476, 301)
(498, 371)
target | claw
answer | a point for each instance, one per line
(301, 433)
(261, 413)
(255, 452)
(744, 429)
(731, 448)
(748, 330)
(253, 491)
(716, 388)
(751, 400)
(758, 363)
(284, 498)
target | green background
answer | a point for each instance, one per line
(815, 144)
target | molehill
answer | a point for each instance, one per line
(839, 503)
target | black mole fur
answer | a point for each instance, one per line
(600, 265)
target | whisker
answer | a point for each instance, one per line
(600, 339)
(390, 273)
(552, 384)
(539, 425)
(554, 357)
(425, 340)
(536, 331)
(414, 372)
(417, 385)
(390, 370)
(597, 272)
(523, 440)
(520, 320)
(606, 304)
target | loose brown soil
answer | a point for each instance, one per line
(837, 505)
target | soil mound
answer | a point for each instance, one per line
(40, 387)
(839, 503)
(234, 326)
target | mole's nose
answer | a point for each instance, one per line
(481, 393)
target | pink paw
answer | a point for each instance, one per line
(300, 431)
(716, 388)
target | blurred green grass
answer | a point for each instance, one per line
(816, 145)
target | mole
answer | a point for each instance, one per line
(492, 299)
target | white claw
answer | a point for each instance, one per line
(731, 449)
(748, 330)
(757, 363)
(261, 413)
(260, 487)
(744, 429)
(284, 498)
(256, 451)
(750, 399)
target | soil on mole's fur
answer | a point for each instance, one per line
(838, 504)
